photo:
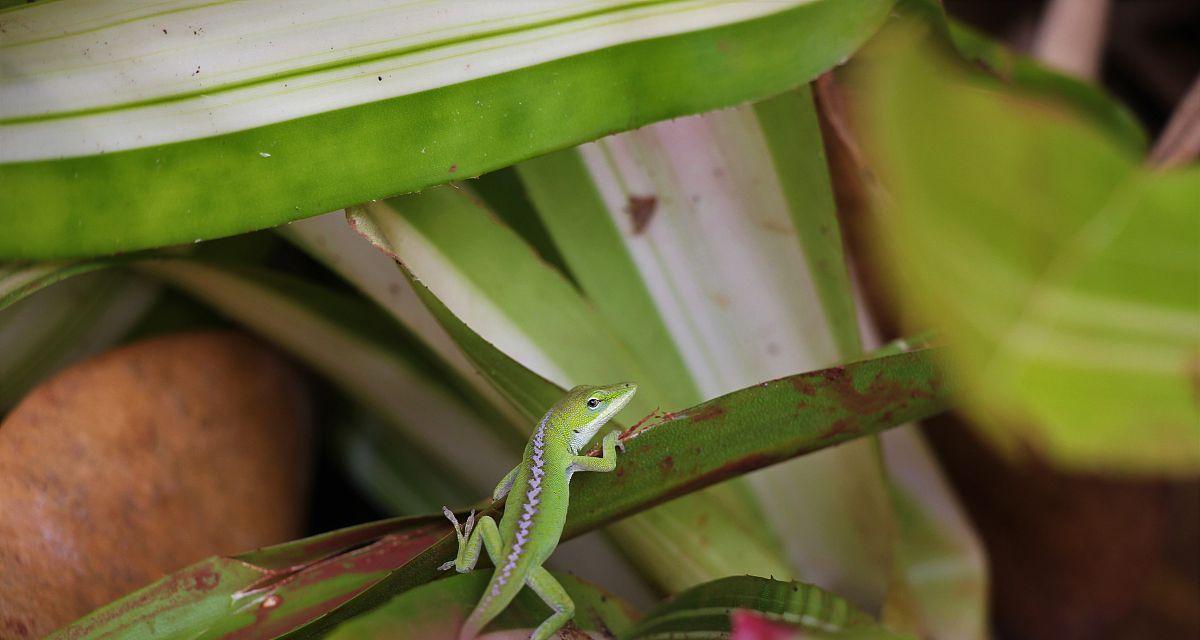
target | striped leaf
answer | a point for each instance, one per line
(126, 127)
(262, 593)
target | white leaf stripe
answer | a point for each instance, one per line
(127, 85)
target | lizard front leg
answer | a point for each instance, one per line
(608, 456)
(470, 537)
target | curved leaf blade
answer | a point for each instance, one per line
(245, 594)
(242, 133)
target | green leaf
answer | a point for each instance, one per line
(704, 611)
(127, 129)
(452, 245)
(436, 611)
(712, 442)
(264, 592)
(1063, 274)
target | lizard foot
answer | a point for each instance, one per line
(457, 527)
(446, 565)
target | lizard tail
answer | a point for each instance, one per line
(496, 596)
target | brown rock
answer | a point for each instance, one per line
(141, 461)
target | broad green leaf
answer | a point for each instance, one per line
(704, 611)
(44, 331)
(451, 244)
(713, 442)
(436, 611)
(131, 127)
(261, 593)
(714, 240)
(1063, 274)
(360, 349)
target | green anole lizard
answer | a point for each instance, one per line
(537, 507)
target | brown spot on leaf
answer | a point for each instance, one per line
(640, 210)
(205, 579)
(841, 427)
(667, 464)
(708, 413)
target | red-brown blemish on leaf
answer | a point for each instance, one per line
(203, 579)
(369, 564)
(298, 555)
(453, 168)
(667, 464)
(708, 413)
(880, 394)
(640, 210)
(803, 384)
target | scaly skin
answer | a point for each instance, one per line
(537, 507)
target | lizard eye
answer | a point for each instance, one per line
(592, 403)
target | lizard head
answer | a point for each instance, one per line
(586, 408)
